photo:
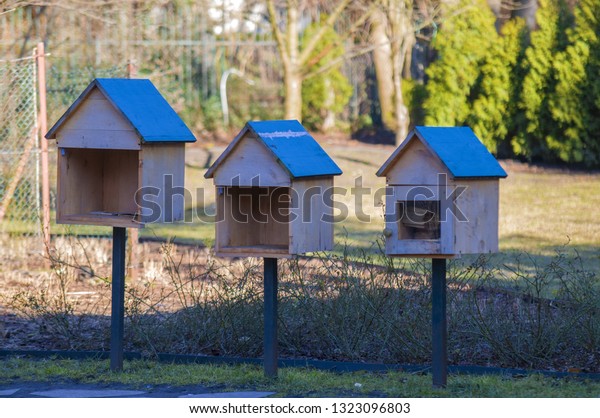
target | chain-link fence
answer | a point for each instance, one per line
(63, 86)
(19, 148)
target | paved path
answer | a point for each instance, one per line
(76, 390)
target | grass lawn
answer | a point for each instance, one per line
(292, 382)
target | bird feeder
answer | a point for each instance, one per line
(121, 157)
(274, 200)
(441, 202)
(118, 137)
(274, 189)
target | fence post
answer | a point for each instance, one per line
(133, 232)
(43, 124)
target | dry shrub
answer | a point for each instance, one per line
(352, 306)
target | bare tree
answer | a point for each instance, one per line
(294, 57)
(394, 27)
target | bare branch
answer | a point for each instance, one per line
(318, 36)
(277, 33)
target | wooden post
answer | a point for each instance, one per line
(270, 337)
(439, 361)
(117, 317)
(43, 124)
(134, 237)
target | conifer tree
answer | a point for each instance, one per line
(462, 45)
(575, 106)
(491, 112)
(537, 124)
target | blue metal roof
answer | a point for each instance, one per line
(295, 148)
(458, 148)
(292, 147)
(461, 151)
(142, 105)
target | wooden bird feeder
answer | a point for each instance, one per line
(442, 198)
(274, 189)
(119, 136)
(441, 202)
(274, 185)
(121, 155)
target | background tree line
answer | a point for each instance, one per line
(525, 74)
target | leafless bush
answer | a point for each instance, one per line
(360, 306)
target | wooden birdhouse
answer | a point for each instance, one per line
(119, 138)
(274, 189)
(442, 196)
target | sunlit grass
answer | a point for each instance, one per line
(292, 381)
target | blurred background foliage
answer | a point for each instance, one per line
(524, 74)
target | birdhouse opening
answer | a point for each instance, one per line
(98, 187)
(253, 220)
(419, 220)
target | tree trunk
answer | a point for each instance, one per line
(403, 39)
(382, 59)
(292, 73)
(400, 110)
(329, 120)
(293, 94)
(295, 62)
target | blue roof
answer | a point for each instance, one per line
(142, 105)
(292, 146)
(458, 148)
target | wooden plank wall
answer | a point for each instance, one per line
(97, 124)
(417, 166)
(157, 161)
(479, 203)
(308, 231)
(253, 164)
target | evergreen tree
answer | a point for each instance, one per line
(491, 112)
(475, 78)
(575, 106)
(462, 45)
(537, 125)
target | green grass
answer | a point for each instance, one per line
(297, 382)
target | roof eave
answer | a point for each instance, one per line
(325, 175)
(51, 134)
(211, 170)
(389, 163)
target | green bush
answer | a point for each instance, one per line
(328, 91)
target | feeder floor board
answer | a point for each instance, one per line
(268, 251)
(124, 221)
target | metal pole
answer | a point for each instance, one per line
(439, 365)
(223, 92)
(270, 339)
(118, 299)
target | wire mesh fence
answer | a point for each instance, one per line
(19, 148)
